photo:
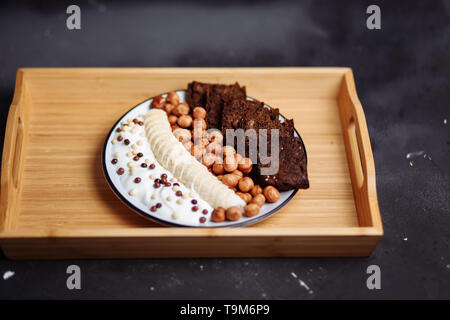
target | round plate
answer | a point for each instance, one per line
(138, 206)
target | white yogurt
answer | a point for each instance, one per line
(172, 207)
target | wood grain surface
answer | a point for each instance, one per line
(55, 201)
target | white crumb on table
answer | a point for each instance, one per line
(8, 274)
(294, 275)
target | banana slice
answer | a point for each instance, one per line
(172, 155)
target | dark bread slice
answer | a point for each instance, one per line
(212, 97)
(292, 173)
(247, 114)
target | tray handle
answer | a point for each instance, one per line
(13, 155)
(359, 154)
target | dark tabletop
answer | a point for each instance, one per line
(402, 77)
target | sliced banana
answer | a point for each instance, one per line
(172, 155)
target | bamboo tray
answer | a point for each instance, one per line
(55, 202)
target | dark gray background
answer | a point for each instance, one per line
(401, 73)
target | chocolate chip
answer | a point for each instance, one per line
(120, 171)
(179, 193)
(193, 201)
(202, 220)
(194, 208)
(158, 205)
(164, 176)
(140, 155)
(118, 130)
(205, 211)
(136, 158)
(167, 184)
(152, 166)
(114, 161)
(119, 138)
(153, 209)
(137, 180)
(143, 165)
(126, 142)
(176, 184)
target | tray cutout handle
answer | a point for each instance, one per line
(13, 155)
(356, 152)
(359, 155)
(17, 155)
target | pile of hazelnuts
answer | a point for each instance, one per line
(222, 161)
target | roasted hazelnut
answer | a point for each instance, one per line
(234, 213)
(271, 194)
(230, 164)
(199, 113)
(172, 119)
(215, 136)
(259, 199)
(245, 184)
(199, 124)
(173, 98)
(256, 190)
(230, 180)
(214, 147)
(158, 102)
(238, 158)
(184, 121)
(238, 173)
(244, 196)
(183, 135)
(169, 108)
(208, 159)
(218, 168)
(218, 215)
(251, 210)
(198, 151)
(245, 164)
(181, 110)
(228, 151)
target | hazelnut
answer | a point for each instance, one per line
(218, 168)
(184, 121)
(173, 98)
(183, 135)
(169, 108)
(215, 136)
(218, 215)
(245, 164)
(200, 124)
(256, 190)
(158, 102)
(181, 110)
(197, 133)
(271, 194)
(238, 158)
(172, 119)
(234, 213)
(238, 173)
(230, 164)
(245, 184)
(251, 210)
(208, 159)
(198, 151)
(214, 147)
(244, 196)
(228, 151)
(230, 180)
(199, 113)
(259, 199)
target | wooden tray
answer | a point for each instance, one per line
(55, 202)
